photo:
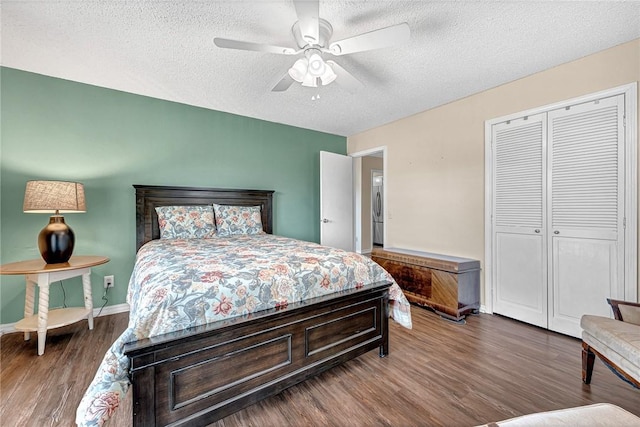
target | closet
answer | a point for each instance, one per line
(558, 212)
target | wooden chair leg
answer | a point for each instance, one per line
(588, 358)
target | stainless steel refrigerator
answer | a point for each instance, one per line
(377, 210)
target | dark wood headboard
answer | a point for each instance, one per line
(150, 196)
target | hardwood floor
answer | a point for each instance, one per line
(438, 374)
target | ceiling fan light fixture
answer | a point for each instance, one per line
(312, 35)
(299, 70)
(317, 66)
(310, 81)
(328, 75)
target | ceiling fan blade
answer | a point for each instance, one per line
(384, 37)
(283, 84)
(258, 47)
(345, 79)
(308, 11)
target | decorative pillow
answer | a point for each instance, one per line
(186, 222)
(630, 314)
(232, 220)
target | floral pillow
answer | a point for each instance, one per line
(232, 220)
(186, 222)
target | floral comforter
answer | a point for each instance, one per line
(182, 283)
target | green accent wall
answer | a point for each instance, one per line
(109, 140)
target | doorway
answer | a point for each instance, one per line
(377, 203)
(367, 165)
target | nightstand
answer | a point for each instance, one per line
(37, 272)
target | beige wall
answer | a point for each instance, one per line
(435, 159)
(369, 163)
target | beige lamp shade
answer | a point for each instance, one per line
(54, 197)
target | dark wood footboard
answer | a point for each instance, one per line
(199, 375)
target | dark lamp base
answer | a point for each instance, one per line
(56, 241)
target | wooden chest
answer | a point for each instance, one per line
(448, 284)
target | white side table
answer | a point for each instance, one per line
(37, 272)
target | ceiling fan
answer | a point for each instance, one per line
(312, 35)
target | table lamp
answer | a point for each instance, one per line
(56, 240)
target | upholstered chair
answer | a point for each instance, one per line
(615, 342)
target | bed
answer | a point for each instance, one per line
(196, 371)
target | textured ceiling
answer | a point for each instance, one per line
(165, 49)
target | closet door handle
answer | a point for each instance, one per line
(556, 232)
(536, 230)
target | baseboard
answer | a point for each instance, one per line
(111, 309)
(8, 328)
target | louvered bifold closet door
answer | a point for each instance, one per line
(586, 178)
(519, 188)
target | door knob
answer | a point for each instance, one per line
(556, 232)
(325, 220)
(536, 230)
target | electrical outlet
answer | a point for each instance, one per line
(109, 281)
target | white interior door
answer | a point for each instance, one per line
(336, 200)
(558, 214)
(588, 230)
(519, 227)
(586, 182)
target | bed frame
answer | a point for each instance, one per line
(199, 375)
